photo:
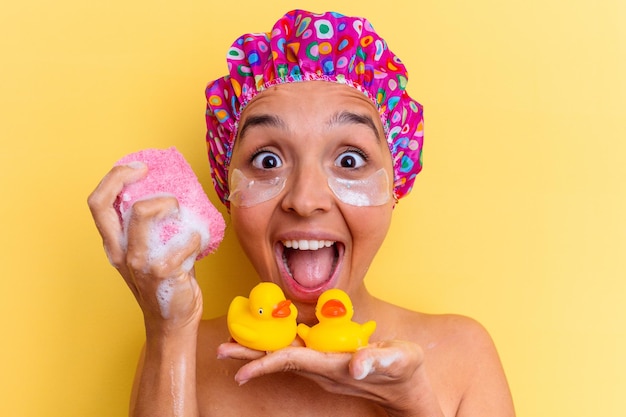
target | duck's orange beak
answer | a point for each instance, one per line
(282, 309)
(333, 308)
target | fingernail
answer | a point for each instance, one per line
(136, 165)
(239, 380)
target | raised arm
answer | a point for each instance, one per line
(166, 291)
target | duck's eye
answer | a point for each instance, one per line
(261, 311)
(266, 160)
(351, 159)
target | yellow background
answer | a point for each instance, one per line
(516, 220)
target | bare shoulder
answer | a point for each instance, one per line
(461, 359)
(460, 332)
(449, 330)
(448, 340)
(462, 349)
(461, 342)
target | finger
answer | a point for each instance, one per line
(144, 215)
(182, 258)
(299, 359)
(101, 204)
(234, 350)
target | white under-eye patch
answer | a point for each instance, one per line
(246, 192)
(370, 191)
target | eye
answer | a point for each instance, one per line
(261, 311)
(266, 160)
(351, 159)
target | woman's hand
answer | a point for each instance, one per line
(390, 373)
(166, 291)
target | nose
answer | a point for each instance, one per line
(307, 192)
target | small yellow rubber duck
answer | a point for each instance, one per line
(336, 332)
(265, 321)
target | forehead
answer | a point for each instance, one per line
(310, 102)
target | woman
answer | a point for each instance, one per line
(312, 140)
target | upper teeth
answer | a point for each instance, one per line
(308, 244)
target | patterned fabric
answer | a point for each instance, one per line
(304, 46)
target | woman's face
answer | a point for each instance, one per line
(305, 155)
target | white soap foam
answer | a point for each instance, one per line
(127, 213)
(172, 233)
(165, 292)
(384, 363)
(188, 264)
(387, 361)
(368, 368)
(181, 229)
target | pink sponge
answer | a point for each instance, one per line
(169, 174)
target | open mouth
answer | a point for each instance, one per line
(311, 263)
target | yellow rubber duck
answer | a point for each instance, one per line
(336, 332)
(265, 321)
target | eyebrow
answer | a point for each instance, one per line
(261, 120)
(347, 117)
(342, 118)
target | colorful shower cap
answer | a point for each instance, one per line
(305, 46)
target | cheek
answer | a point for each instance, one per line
(248, 220)
(251, 227)
(369, 229)
(247, 227)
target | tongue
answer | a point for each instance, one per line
(310, 268)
